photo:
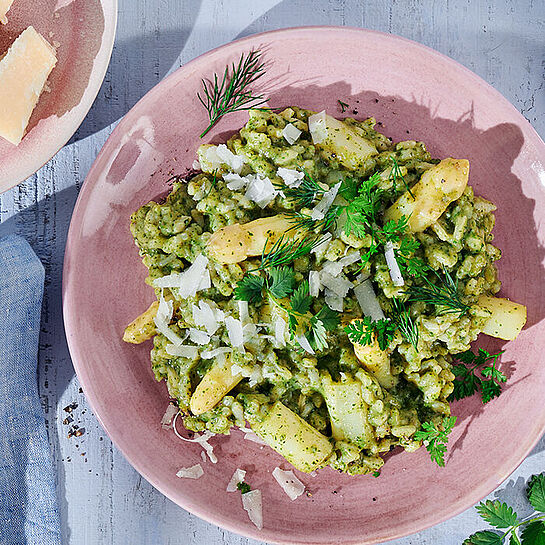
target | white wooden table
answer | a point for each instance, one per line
(102, 499)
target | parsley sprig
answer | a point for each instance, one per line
(231, 92)
(435, 438)
(469, 380)
(365, 330)
(529, 531)
(278, 285)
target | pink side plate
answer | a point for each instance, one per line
(82, 31)
(414, 93)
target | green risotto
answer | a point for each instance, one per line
(313, 281)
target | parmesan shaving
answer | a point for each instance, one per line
(189, 282)
(289, 483)
(193, 472)
(365, 294)
(320, 210)
(291, 177)
(333, 301)
(205, 316)
(170, 413)
(238, 477)
(291, 133)
(314, 283)
(198, 336)
(304, 344)
(280, 328)
(318, 127)
(243, 313)
(235, 181)
(226, 156)
(182, 350)
(210, 354)
(234, 331)
(393, 266)
(260, 190)
(252, 503)
(162, 319)
(337, 284)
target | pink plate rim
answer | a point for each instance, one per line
(69, 311)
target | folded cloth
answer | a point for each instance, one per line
(28, 502)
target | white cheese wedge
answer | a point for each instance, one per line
(4, 8)
(23, 73)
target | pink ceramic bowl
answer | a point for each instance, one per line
(82, 31)
(413, 92)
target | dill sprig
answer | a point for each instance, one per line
(286, 249)
(444, 295)
(395, 174)
(306, 222)
(343, 105)
(231, 93)
(402, 318)
(305, 193)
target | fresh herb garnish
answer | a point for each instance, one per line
(343, 105)
(213, 184)
(408, 263)
(232, 93)
(395, 175)
(279, 285)
(503, 517)
(286, 249)
(468, 381)
(243, 487)
(403, 320)
(363, 206)
(435, 438)
(444, 294)
(304, 195)
(366, 330)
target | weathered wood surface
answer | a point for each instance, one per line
(102, 499)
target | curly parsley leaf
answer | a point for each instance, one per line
(300, 301)
(365, 330)
(468, 380)
(534, 533)
(250, 289)
(497, 514)
(536, 492)
(485, 537)
(435, 438)
(283, 280)
(243, 487)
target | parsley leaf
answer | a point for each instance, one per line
(250, 289)
(536, 492)
(328, 317)
(485, 537)
(497, 514)
(317, 336)
(243, 487)
(534, 533)
(436, 438)
(467, 381)
(365, 330)
(301, 300)
(283, 279)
